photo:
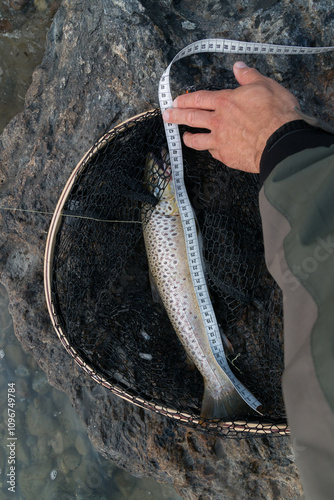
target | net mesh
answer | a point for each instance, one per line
(102, 305)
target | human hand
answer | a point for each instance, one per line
(240, 121)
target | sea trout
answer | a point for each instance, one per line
(170, 274)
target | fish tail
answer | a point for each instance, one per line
(227, 405)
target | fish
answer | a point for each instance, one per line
(171, 281)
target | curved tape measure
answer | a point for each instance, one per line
(215, 45)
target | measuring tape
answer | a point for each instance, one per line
(215, 45)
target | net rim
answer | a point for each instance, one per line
(237, 426)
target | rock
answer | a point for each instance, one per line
(126, 485)
(22, 371)
(17, 4)
(71, 459)
(5, 26)
(57, 443)
(102, 64)
(22, 451)
(41, 5)
(32, 477)
(14, 355)
(148, 488)
(82, 445)
(40, 382)
(38, 423)
(31, 362)
(3, 458)
(22, 388)
(53, 474)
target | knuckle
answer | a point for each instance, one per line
(195, 142)
(250, 74)
(198, 98)
(191, 118)
(215, 123)
(191, 140)
(224, 100)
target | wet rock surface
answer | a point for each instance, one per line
(102, 65)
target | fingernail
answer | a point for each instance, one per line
(165, 115)
(240, 64)
(175, 103)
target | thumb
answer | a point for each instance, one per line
(245, 75)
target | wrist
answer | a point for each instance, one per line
(291, 138)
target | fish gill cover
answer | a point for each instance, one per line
(102, 305)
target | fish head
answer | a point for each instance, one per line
(159, 181)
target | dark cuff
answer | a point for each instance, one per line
(289, 139)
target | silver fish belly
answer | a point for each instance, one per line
(168, 263)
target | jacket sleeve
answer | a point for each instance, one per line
(297, 210)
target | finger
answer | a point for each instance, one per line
(192, 117)
(202, 99)
(246, 75)
(200, 142)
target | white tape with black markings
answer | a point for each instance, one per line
(223, 46)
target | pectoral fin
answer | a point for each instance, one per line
(154, 290)
(228, 347)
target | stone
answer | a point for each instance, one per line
(71, 459)
(22, 451)
(3, 459)
(41, 5)
(40, 382)
(22, 388)
(14, 355)
(38, 423)
(57, 443)
(17, 4)
(125, 484)
(148, 488)
(102, 65)
(22, 371)
(53, 474)
(32, 476)
(5, 26)
(82, 445)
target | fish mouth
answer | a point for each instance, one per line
(162, 163)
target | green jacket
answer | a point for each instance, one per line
(297, 209)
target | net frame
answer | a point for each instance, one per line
(232, 428)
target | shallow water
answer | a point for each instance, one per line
(45, 453)
(44, 441)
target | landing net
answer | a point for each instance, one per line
(98, 291)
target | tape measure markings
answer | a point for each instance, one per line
(211, 45)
